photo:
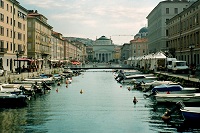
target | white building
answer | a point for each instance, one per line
(103, 49)
(157, 18)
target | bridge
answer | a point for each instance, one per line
(100, 66)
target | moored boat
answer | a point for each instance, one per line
(191, 113)
(12, 100)
(173, 98)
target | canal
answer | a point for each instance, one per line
(104, 107)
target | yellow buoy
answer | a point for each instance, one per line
(81, 91)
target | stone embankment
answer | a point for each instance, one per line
(183, 79)
(9, 77)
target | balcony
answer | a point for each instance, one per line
(3, 50)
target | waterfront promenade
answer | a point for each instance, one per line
(9, 77)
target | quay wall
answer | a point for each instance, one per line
(9, 77)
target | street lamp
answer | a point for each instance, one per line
(191, 50)
(17, 54)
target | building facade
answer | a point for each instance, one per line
(184, 35)
(139, 47)
(13, 34)
(103, 49)
(157, 18)
(39, 38)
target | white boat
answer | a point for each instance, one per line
(174, 89)
(48, 80)
(147, 79)
(148, 86)
(10, 88)
(135, 77)
(191, 114)
(67, 70)
(131, 72)
(174, 98)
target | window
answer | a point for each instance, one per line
(19, 36)
(1, 4)
(7, 45)
(14, 34)
(167, 10)
(10, 21)
(11, 46)
(176, 10)
(24, 28)
(1, 17)
(1, 43)
(7, 32)
(7, 20)
(19, 25)
(1, 30)
(11, 9)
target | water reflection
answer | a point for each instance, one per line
(105, 106)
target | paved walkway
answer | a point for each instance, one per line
(9, 77)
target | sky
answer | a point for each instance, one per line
(119, 20)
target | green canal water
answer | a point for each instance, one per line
(104, 107)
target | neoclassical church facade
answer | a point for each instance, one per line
(103, 49)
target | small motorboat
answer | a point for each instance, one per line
(174, 98)
(150, 85)
(191, 114)
(13, 100)
(166, 88)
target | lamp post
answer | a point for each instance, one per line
(191, 50)
(17, 55)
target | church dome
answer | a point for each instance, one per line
(103, 38)
(143, 30)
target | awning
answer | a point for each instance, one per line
(75, 63)
(24, 59)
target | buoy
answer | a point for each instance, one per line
(120, 86)
(166, 117)
(57, 90)
(129, 88)
(135, 100)
(81, 91)
(67, 86)
(58, 83)
(67, 81)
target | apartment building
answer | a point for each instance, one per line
(157, 18)
(184, 35)
(13, 37)
(39, 38)
(138, 47)
(57, 46)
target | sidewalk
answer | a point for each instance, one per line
(9, 77)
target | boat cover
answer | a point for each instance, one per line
(166, 87)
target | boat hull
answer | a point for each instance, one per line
(174, 98)
(13, 101)
(191, 113)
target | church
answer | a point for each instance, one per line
(103, 49)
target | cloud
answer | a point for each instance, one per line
(94, 18)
